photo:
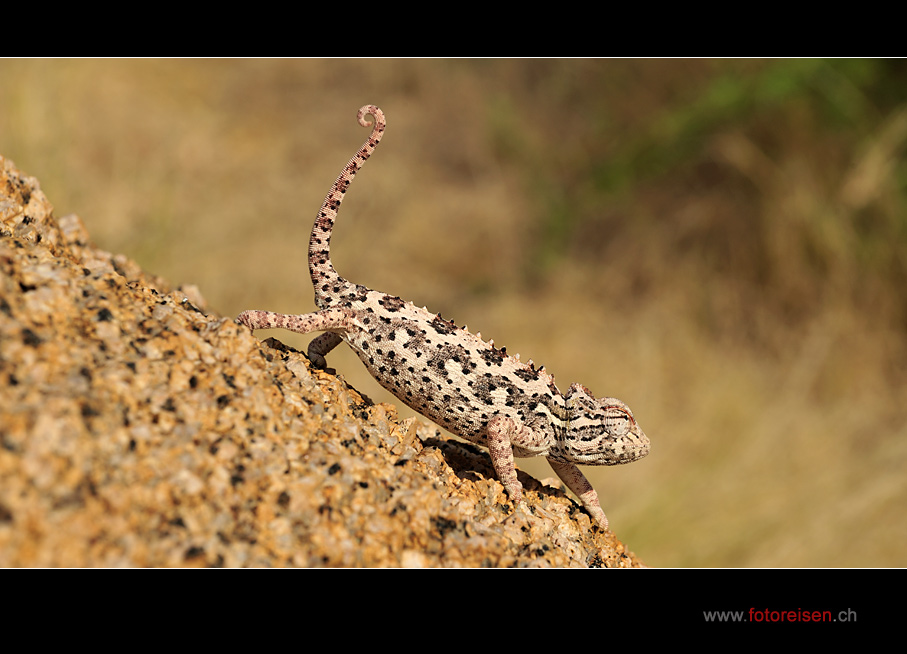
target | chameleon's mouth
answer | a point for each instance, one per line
(629, 448)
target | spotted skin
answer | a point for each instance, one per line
(453, 377)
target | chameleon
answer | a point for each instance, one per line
(469, 386)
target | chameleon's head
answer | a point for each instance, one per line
(599, 431)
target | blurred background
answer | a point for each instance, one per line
(720, 244)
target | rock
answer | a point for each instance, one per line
(137, 429)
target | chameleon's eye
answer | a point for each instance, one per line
(617, 421)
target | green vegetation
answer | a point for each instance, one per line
(793, 169)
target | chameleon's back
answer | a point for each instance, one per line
(450, 375)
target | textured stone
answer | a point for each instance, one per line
(137, 429)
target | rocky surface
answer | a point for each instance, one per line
(138, 429)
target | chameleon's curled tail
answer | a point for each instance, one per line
(324, 277)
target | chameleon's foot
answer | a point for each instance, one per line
(317, 360)
(598, 516)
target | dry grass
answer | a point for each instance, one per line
(723, 245)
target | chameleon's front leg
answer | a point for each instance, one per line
(501, 432)
(577, 482)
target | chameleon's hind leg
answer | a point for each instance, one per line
(320, 346)
(331, 321)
